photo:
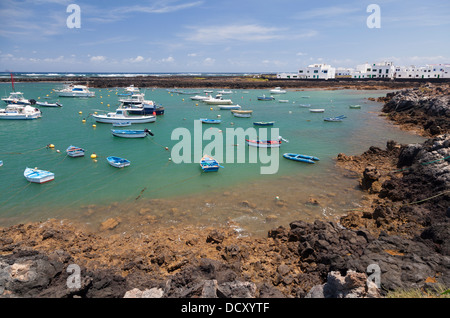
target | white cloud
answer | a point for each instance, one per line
(98, 58)
(209, 61)
(136, 59)
(169, 59)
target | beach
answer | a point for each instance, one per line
(403, 224)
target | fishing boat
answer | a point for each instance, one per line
(242, 113)
(74, 152)
(210, 121)
(277, 90)
(47, 104)
(20, 112)
(38, 176)
(305, 105)
(127, 133)
(18, 99)
(218, 100)
(123, 124)
(335, 119)
(118, 162)
(264, 97)
(266, 143)
(301, 158)
(147, 108)
(199, 97)
(208, 164)
(226, 107)
(121, 115)
(263, 123)
(71, 90)
(355, 106)
(317, 110)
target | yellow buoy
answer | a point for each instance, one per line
(51, 146)
(84, 120)
(80, 113)
(94, 125)
(93, 156)
(101, 102)
(107, 105)
(196, 104)
(211, 108)
(183, 99)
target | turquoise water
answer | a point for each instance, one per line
(90, 190)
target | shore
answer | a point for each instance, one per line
(402, 228)
(227, 82)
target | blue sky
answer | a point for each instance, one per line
(219, 36)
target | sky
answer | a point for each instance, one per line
(219, 36)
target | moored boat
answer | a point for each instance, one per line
(128, 133)
(277, 90)
(218, 100)
(118, 162)
(38, 176)
(20, 112)
(263, 123)
(18, 99)
(354, 106)
(121, 115)
(47, 104)
(75, 91)
(317, 110)
(242, 113)
(335, 119)
(264, 97)
(73, 151)
(210, 121)
(226, 107)
(266, 143)
(208, 164)
(300, 157)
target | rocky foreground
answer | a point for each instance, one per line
(399, 239)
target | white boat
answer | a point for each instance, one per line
(283, 101)
(229, 107)
(16, 98)
(118, 162)
(135, 99)
(218, 100)
(73, 151)
(317, 110)
(18, 112)
(75, 91)
(265, 143)
(38, 176)
(123, 124)
(200, 97)
(47, 104)
(225, 92)
(121, 115)
(277, 90)
(132, 89)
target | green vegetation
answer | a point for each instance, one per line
(437, 291)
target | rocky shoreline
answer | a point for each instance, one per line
(226, 82)
(401, 236)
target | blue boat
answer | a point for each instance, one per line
(128, 133)
(264, 97)
(73, 151)
(263, 123)
(118, 162)
(301, 158)
(335, 119)
(38, 176)
(210, 121)
(208, 164)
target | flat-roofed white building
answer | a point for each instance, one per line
(317, 71)
(375, 70)
(423, 72)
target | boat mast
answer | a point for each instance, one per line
(12, 82)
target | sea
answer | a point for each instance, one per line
(157, 190)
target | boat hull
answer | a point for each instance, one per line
(113, 120)
(38, 176)
(264, 143)
(209, 164)
(300, 158)
(75, 152)
(129, 133)
(264, 123)
(118, 162)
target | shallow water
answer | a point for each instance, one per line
(90, 191)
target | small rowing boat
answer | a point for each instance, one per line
(74, 152)
(208, 163)
(38, 176)
(266, 143)
(355, 106)
(47, 104)
(128, 133)
(335, 119)
(242, 113)
(118, 162)
(263, 123)
(301, 158)
(210, 121)
(317, 110)
(226, 107)
(264, 97)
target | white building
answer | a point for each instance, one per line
(342, 72)
(317, 71)
(423, 72)
(376, 70)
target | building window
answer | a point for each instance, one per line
(316, 71)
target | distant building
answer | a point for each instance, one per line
(344, 72)
(376, 70)
(423, 72)
(313, 71)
